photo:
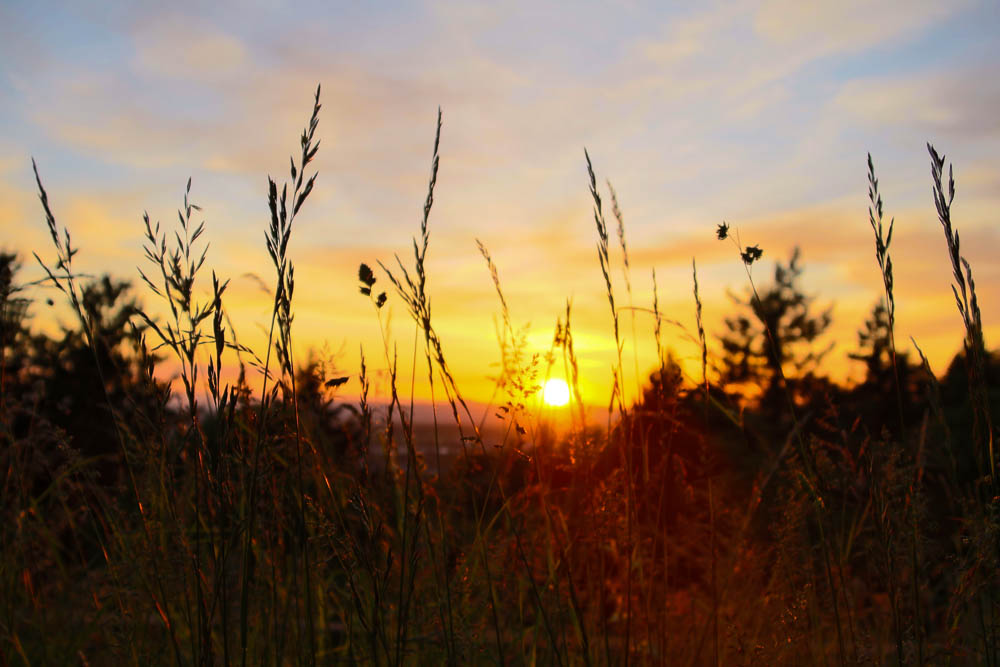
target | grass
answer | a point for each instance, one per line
(700, 524)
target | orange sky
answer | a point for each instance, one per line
(750, 112)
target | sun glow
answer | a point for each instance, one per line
(555, 393)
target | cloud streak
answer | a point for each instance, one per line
(757, 113)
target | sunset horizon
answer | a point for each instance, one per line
(801, 183)
(454, 333)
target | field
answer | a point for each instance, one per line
(758, 513)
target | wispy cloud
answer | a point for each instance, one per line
(946, 104)
(758, 113)
(177, 48)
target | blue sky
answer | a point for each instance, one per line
(760, 113)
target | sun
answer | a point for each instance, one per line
(555, 393)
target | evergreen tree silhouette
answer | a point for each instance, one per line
(773, 336)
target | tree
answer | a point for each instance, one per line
(93, 394)
(875, 349)
(13, 332)
(872, 397)
(774, 335)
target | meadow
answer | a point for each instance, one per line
(758, 513)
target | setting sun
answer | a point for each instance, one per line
(300, 460)
(555, 393)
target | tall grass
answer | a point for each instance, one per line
(695, 526)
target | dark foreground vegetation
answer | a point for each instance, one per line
(757, 514)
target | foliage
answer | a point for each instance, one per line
(810, 523)
(776, 335)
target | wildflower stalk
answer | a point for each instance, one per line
(748, 256)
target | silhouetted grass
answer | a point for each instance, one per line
(697, 525)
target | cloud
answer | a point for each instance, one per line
(738, 111)
(845, 26)
(178, 48)
(947, 104)
(690, 35)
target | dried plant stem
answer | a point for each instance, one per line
(64, 278)
(882, 241)
(964, 290)
(618, 392)
(810, 476)
(277, 238)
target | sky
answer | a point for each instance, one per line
(757, 113)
